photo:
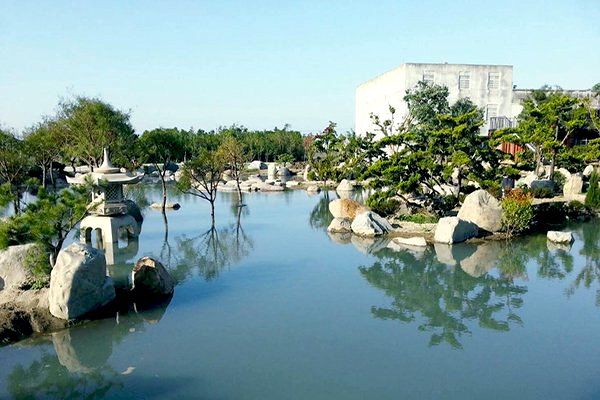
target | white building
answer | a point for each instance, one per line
(490, 87)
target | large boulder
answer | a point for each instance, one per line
(14, 273)
(527, 179)
(284, 171)
(257, 165)
(134, 210)
(340, 225)
(271, 171)
(560, 237)
(370, 224)
(451, 230)
(150, 277)
(345, 186)
(346, 208)
(573, 185)
(482, 209)
(587, 171)
(78, 282)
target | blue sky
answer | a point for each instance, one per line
(266, 63)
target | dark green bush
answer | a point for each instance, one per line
(542, 193)
(592, 198)
(419, 218)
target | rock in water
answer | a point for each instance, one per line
(451, 230)
(416, 241)
(340, 225)
(560, 237)
(345, 186)
(346, 208)
(78, 282)
(482, 209)
(150, 277)
(369, 223)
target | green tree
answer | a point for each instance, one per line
(14, 166)
(43, 145)
(161, 147)
(88, 125)
(592, 197)
(433, 142)
(324, 154)
(235, 157)
(201, 176)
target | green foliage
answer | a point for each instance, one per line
(38, 262)
(382, 204)
(433, 142)
(324, 155)
(517, 212)
(542, 193)
(592, 197)
(285, 159)
(419, 218)
(88, 125)
(48, 220)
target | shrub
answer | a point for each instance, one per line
(382, 204)
(419, 218)
(517, 212)
(559, 182)
(592, 198)
(542, 193)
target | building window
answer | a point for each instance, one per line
(428, 77)
(464, 80)
(491, 111)
(494, 80)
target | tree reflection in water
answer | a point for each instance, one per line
(441, 299)
(212, 251)
(79, 366)
(590, 251)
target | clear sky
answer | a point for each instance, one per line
(262, 64)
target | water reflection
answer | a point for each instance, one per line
(211, 251)
(590, 250)
(79, 365)
(443, 301)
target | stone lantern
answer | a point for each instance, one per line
(108, 210)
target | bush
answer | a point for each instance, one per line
(559, 182)
(383, 205)
(419, 218)
(592, 198)
(542, 193)
(517, 212)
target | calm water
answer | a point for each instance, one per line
(273, 308)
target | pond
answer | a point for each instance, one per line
(273, 307)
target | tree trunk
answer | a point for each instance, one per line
(44, 176)
(163, 184)
(212, 213)
(552, 165)
(51, 170)
(538, 160)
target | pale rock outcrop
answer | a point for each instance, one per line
(565, 172)
(370, 224)
(416, 241)
(451, 230)
(482, 209)
(78, 282)
(446, 190)
(587, 171)
(150, 277)
(527, 179)
(573, 185)
(340, 225)
(560, 237)
(13, 271)
(306, 171)
(170, 206)
(313, 189)
(271, 170)
(346, 208)
(292, 184)
(257, 165)
(345, 186)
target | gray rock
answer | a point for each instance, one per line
(527, 179)
(284, 171)
(170, 206)
(345, 186)
(313, 189)
(78, 282)
(306, 171)
(416, 241)
(573, 185)
(560, 237)
(150, 277)
(14, 273)
(257, 165)
(482, 209)
(370, 224)
(451, 230)
(340, 225)
(134, 210)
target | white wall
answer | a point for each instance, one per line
(376, 95)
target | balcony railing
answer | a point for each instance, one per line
(495, 123)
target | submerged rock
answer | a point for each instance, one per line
(150, 277)
(451, 230)
(369, 223)
(340, 225)
(560, 237)
(78, 282)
